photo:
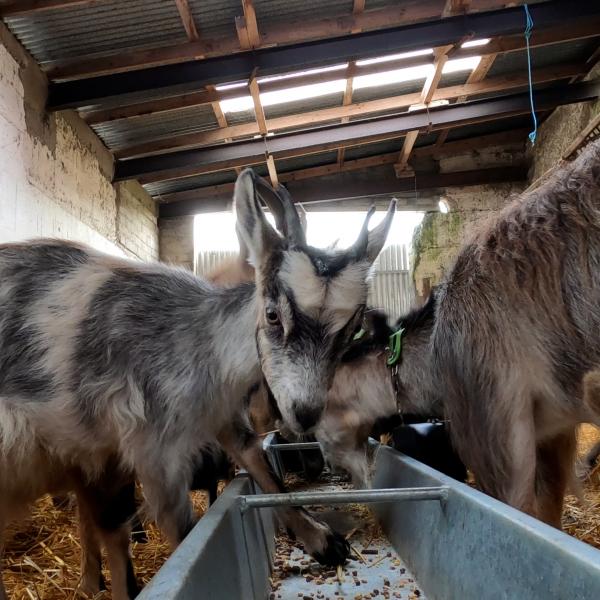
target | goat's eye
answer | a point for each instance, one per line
(272, 316)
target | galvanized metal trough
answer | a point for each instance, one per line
(458, 543)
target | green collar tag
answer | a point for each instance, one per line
(358, 335)
(395, 347)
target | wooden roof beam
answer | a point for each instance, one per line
(503, 83)
(311, 190)
(513, 137)
(313, 141)
(187, 19)
(478, 74)
(429, 89)
(357, 8)
(369, 20)
(455, 7)
(262, 127)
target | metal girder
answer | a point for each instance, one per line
(237, 67)
(178, 164)
(353, 187)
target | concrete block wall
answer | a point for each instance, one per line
(55, 174)
(559, 131)
(176, 241)
(439, 237)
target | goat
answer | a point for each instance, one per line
(361, 392)
(517, 326)
(111, 366)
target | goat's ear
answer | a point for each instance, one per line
(252, 226)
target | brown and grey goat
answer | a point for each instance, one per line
(110, 366)
(517, 327)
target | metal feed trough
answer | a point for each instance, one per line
(456, 543)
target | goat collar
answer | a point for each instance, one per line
(394, 348)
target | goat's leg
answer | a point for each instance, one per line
(588, 464)
(350, 458)
(518, 484)
(92, 580)
(555, 459)
(122, 575)
(109, 506)
(319, 540)
(505, 465)
(3, 595)
(169, 504)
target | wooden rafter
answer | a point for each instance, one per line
(456, 7)
(272, 171)
(429, 89)
(187, 18)
(287, 34)
(478, 74)
(495, 84)
(261, 121)
(512, 138)
(340, 192)
(251, 23)
(258, 109)
(166, 166)
(357, 8)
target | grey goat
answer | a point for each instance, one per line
(110, 366)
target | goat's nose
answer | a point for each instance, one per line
(307, 416)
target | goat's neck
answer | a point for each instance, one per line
(234, 331)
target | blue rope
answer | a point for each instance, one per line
(528, 30)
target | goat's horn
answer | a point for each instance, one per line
(360, 246)
(271, 198)
(295, 231)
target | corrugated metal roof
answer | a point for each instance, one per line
(100, 28)
(190, 183)
(456, 78)
(496, 126)
(305, 162)
(116, 134)
(385, 91)
(301, 106)
(215, 18)
(373, 149)
(273, 12)
(544, 56)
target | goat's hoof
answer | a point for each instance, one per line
(335, 552)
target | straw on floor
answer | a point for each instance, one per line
(42, 555)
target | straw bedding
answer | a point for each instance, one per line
(42, 555)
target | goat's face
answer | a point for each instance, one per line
(309, 301)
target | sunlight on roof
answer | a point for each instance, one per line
(337, 86)
(231, 86)
(388, 57)
(474, 43)
(339, 67)
(395, 76)
(461, 64)
(294, 94)
(216, 231)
